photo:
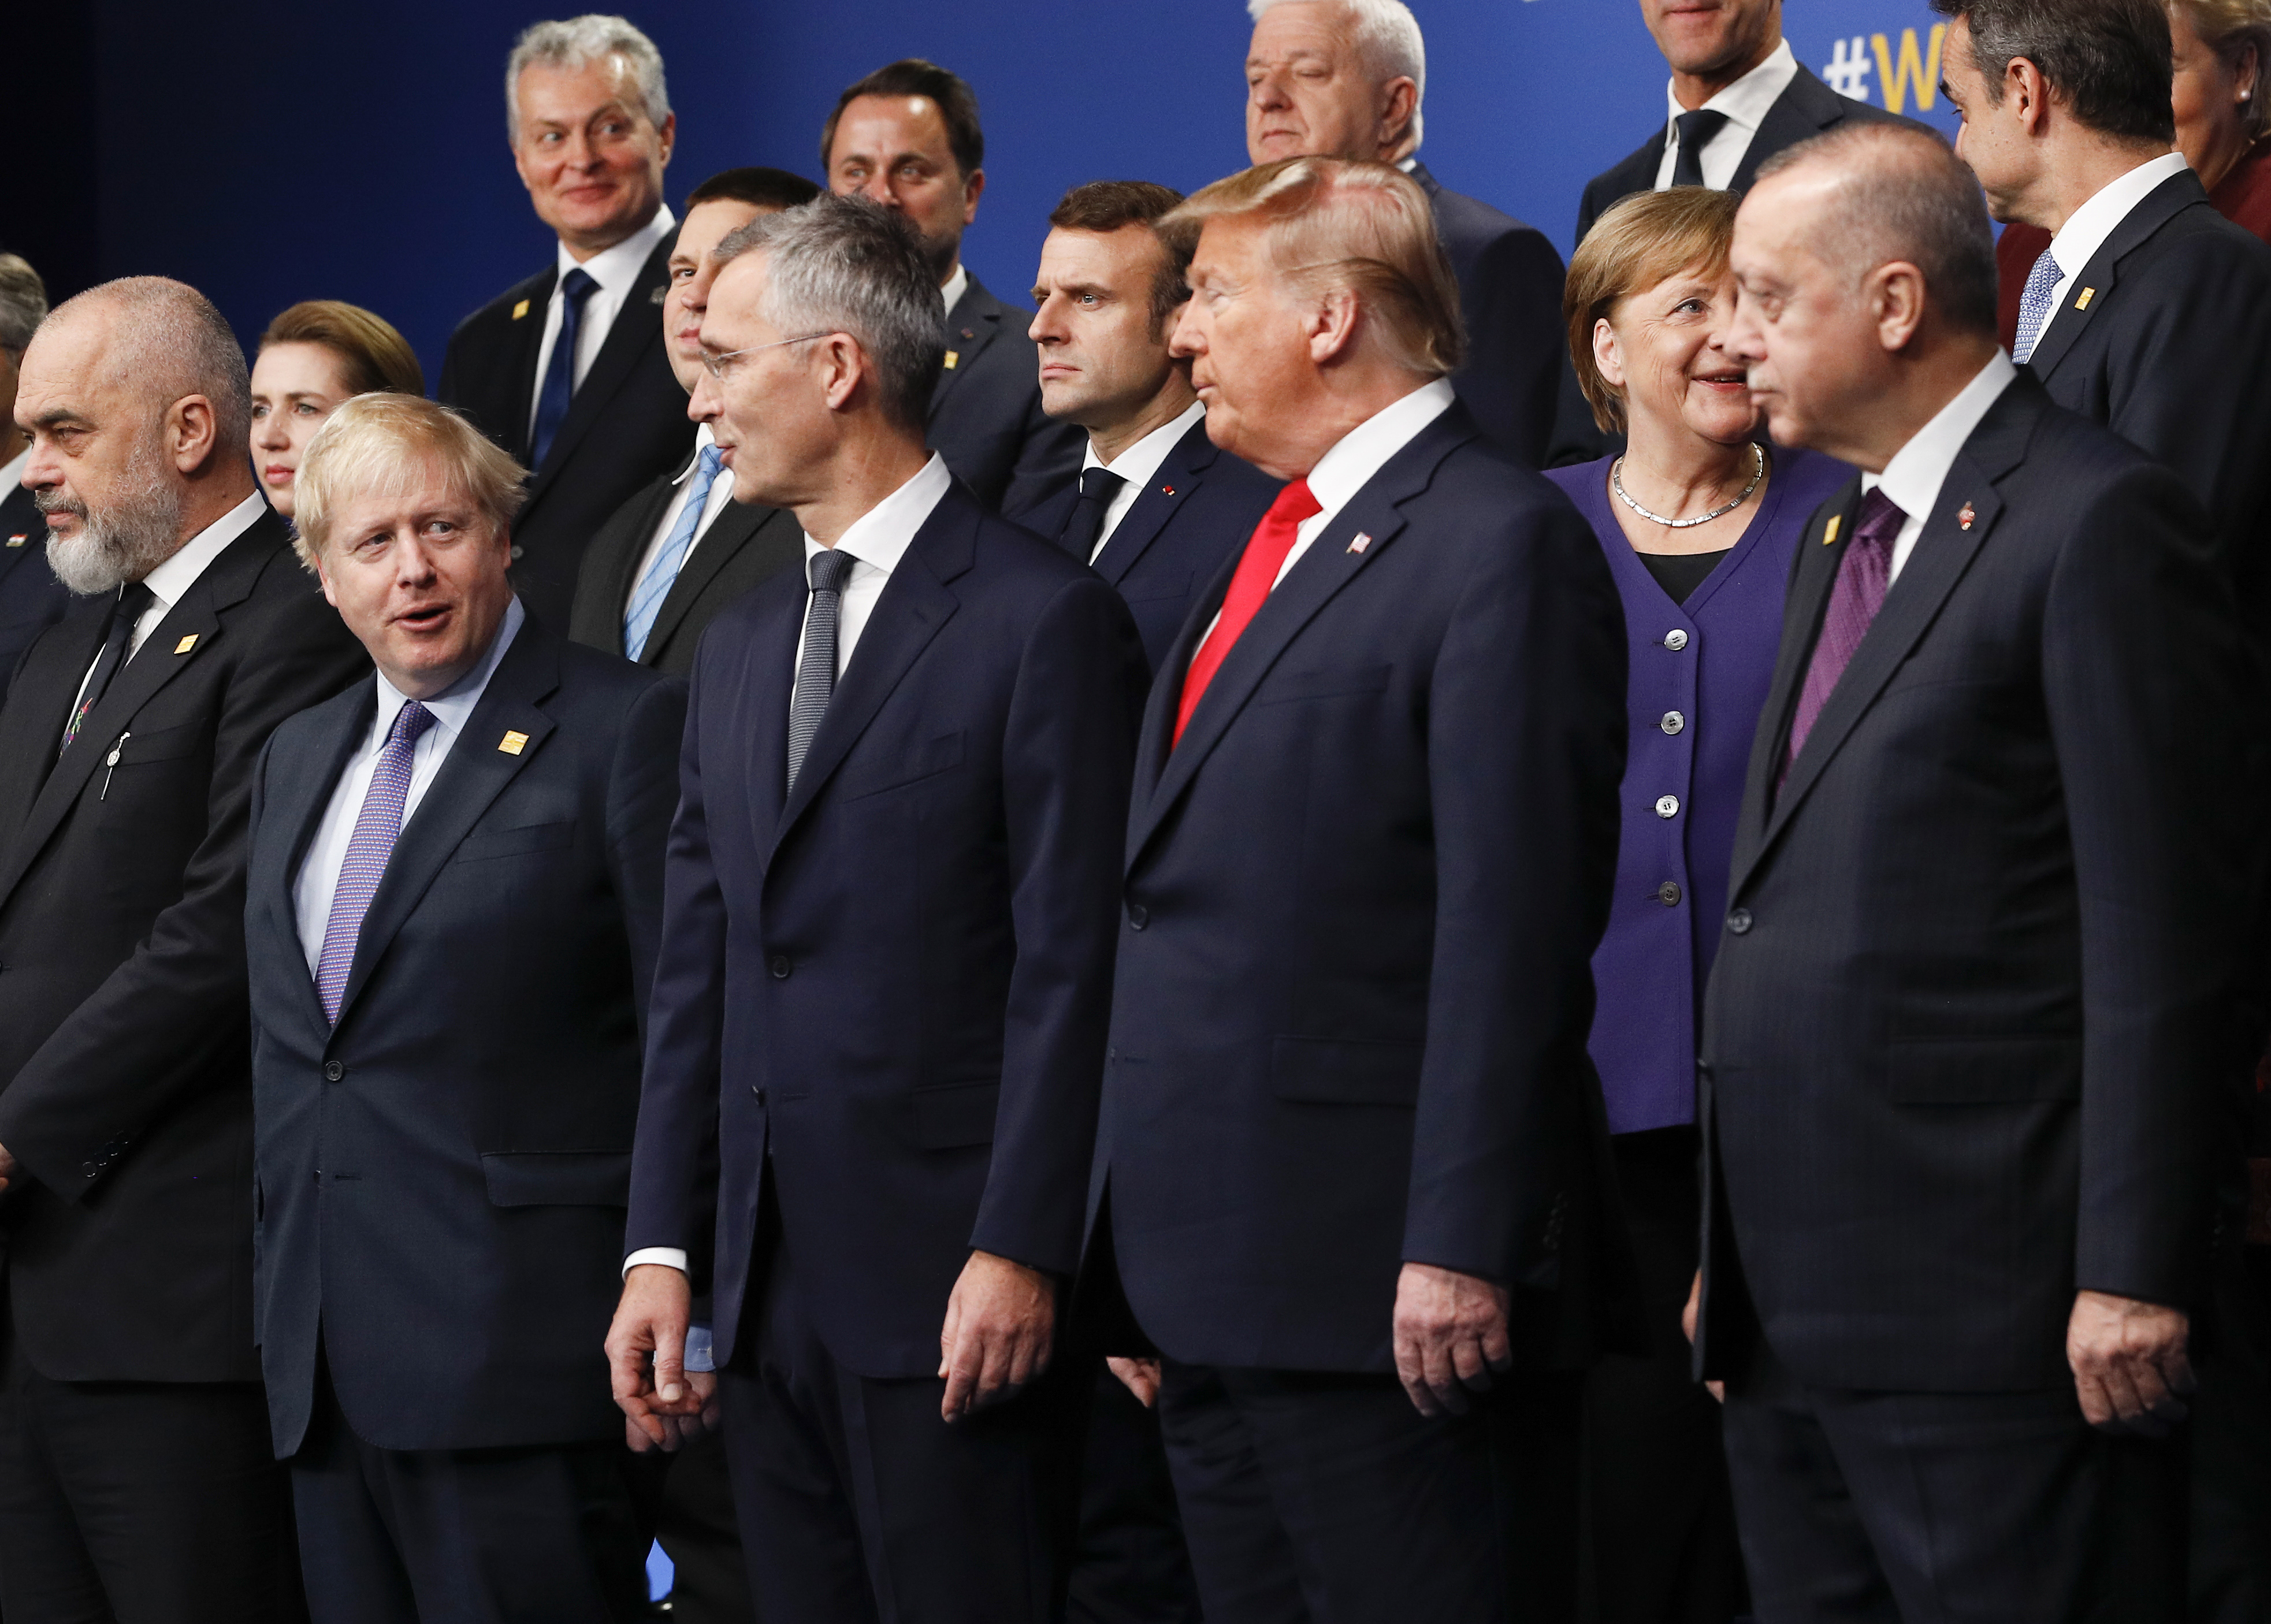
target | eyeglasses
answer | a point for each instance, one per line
(715, 365)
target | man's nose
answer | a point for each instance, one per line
(1184, 341)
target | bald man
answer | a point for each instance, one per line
(136, 1479)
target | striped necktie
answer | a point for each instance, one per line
(662, 575)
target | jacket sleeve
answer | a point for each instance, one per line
(1068, 759)
(1526, 745)
(158, 1030)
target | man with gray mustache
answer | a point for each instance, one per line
(135, 1477)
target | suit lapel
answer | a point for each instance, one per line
(524, 340)
(471, 776)
(39, 704)
(637, 327)
(733, 529)
(623, 568)
(914, 604)
(2091, 290)
(1806, 108)
(970, 327)
(1182, 474)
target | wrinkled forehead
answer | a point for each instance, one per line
(1316, 30)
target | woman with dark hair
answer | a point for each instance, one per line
(313, 356)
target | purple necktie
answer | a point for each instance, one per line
(376, 828)
(1854, 598)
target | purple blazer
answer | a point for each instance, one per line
(1699, 677)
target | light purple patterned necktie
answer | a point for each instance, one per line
(1855, 597)
(376, 828)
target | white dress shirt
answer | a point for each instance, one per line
(616, 271)
(952, 290)
(170, 580)
(2087, 229)
(721, 492)
(327, 853)
(1912, 479)
(1137, 466)
(875, 542)
(1746, 103)
(11, 472)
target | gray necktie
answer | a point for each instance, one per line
(815, 671)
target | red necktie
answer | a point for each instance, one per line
(1249, 589)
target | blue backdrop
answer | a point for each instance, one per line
(358, 151)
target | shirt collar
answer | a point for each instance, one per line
(703, 441)
(881, 536)
(11, 473)
(1746, 102)
(453, 707)
(954, 286)
(2087, 229)
(1365, 449)
(170, 580)
(1140, 461)
(615, 269)
(1912, 479)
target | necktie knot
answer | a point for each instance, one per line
(1880, 521)
(828, 569)
(1099, 484)
(2034, 301)
(1695, 130)
(1295, 503)
(410, 724)
(577, 285)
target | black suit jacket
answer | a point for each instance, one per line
(1361, 896)
(885, 990)
(744, 544)
(2165, 337)
(442, 1176)
(1200, 509)
(125, 1085)
(1806, 108)
(1967, 1023)
(986, 416)
(626, 424)
(31, 599)
(1511, 301)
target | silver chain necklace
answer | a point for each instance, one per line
(1758, 472)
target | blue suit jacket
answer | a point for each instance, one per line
(1200, 509)
(897, 974)
(1349, 1021)
(442, 1176)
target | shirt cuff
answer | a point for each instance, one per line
(668, 1257)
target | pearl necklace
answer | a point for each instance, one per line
(1758, 472)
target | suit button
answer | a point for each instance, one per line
(758, 1092)
(1138, 916)
(1668, 893)
(1740, 921)
(333, 1071)
(516, 553)
(780, 966)
(1675, 639)
(89, 1168)
(1667, 806)
(1672, 722)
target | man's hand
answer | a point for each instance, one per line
(1139, 1376)
(2130, 1368)
(1000, 1323)
(1450, 1335)
(646, 1357)
(1687, 1318)
(678, 1431)
(7, 1167)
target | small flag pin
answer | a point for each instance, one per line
(20, 541)
(520, 310)
(1830, 531)
(1964, 516)
(186, 644)
(1363, 540)
(513, 743)
(1166, 490)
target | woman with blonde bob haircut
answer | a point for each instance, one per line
(373, 444)
(1699, 520)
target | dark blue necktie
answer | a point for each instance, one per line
(560, 376)
(1696, 130)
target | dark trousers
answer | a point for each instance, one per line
(141, 1502)
(1322, 1498)
(1659, 1516)
(1131, 1566)
(1949, 1508)
(518, 1536)
(699, 1532)
(860, 1506)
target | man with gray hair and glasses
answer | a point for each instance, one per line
(135, 1477)
(890, 904)
(567, 371)
(31, 599)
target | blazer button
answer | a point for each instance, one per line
(1675, 639)
(89, 1168)
(1672, 722)
(1668, 893)
(1138, 916)
(1740, 921)
(333, 1071)
(1667, 806)
(780, 966)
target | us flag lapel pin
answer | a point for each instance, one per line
(1964, 516)
(1363, 540)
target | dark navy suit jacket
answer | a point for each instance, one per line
(31, 599)
(442, 1176)
(986, 416)
(1967, 1024)
(895, 976)
(1199, 509)
(1348, 1027)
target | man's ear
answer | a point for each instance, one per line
(972, 188)
(191, 434)
(1397, 106)
(1896, 294)
(1332, 324)
(843, 366)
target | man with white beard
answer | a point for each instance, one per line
(135, 1477)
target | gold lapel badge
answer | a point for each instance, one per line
(951, 357)
(513, 742)
(1964, 516)
(1363, 540)
(520, 310)
(1830, 531)
(186, 644)
(2083, 303)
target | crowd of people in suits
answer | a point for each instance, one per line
(1347, 927)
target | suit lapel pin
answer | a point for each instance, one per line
(513, 743)
(1964, 516)
(1165, 490)
(186, 644)
(1363, 540)
(520, 310)
(1830, 531)
(951, 357)
(658, 296)
(969, 333)
(20, 541)
(2082, 302)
